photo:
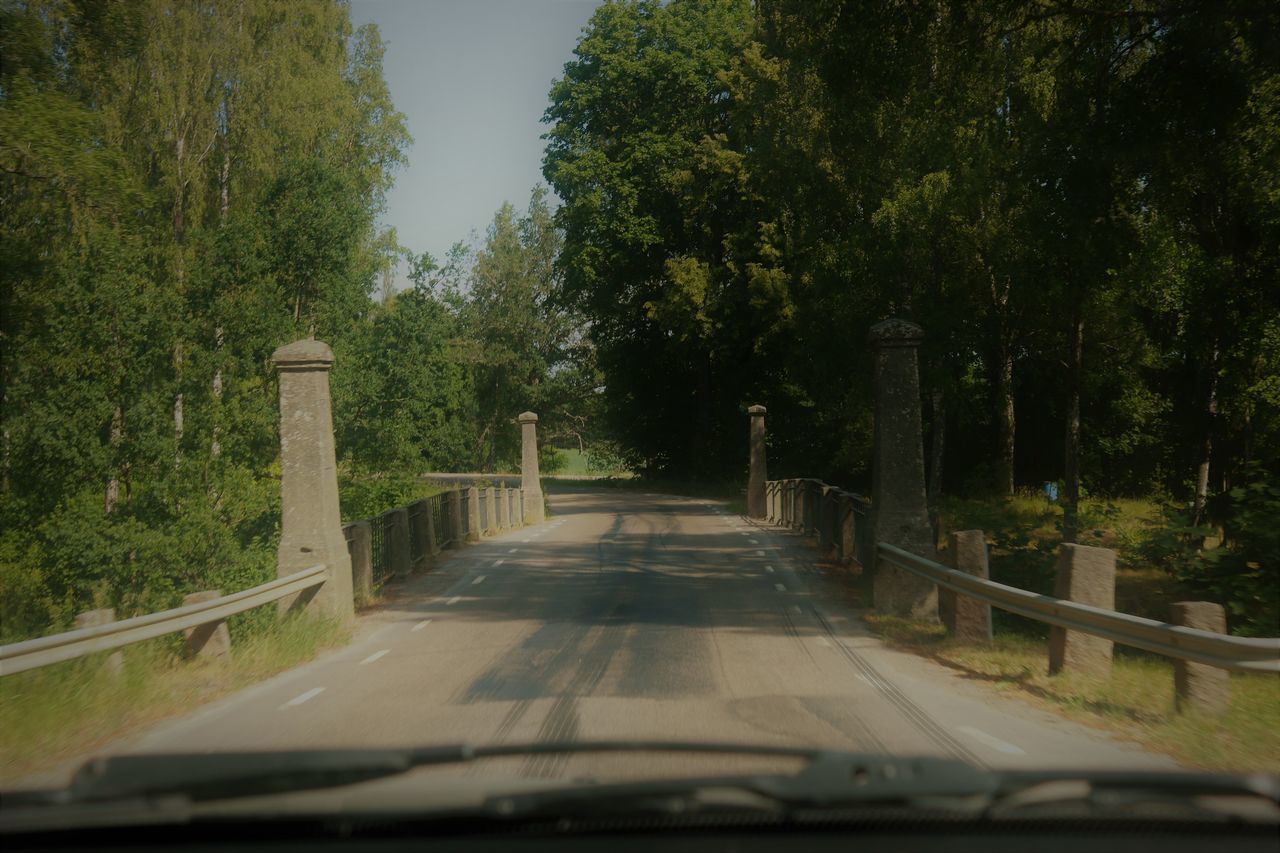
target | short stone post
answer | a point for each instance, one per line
(899, 509)
(457, 534)
(395, 539)
(310, 526)
(504, 509)
(799, 493)
(519, 502)
(965, 618)
(433, 540)
(473, 514)
(758, 472)
(360, 547)
(422, 528)
(1198, 686)
(114, 664)
(1086, 575)
(848, 529)
(211, 640)
(534, 512)
(492, 497)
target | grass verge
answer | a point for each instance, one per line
(1136, 702)
(51, 714)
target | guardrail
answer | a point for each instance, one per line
(812, 507)
(43, 651)
(1250, 654)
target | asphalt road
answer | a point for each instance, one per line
(633, 616)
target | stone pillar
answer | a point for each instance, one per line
(310, 526)
(966, 619)
(473, 514)
(533, 509)
(1086, 575)
(360, 547)
(210, 640)
(1198, 686)
(899, 510)
(456, 518)
(758, 471)
(492, 497)
(504, 508)
(519, 502)
(114, 664)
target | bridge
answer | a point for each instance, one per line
(587, 613)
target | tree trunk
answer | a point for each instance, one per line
(1071, 450)
(1206, 445)
(1005, 421)
(112, 498)
(937, 448)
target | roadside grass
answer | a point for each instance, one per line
(51, 714)
(1136, 702)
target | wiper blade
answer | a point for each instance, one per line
(240, 774)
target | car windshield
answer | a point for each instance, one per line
(637, 390)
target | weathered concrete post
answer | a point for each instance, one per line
(1086, 575)
(310, 525)
(456, 518)
(533, 509)
(899, 510)
(210, 640)
(361, 550)
(758, 471)
(519, 504)
(420, 529)
(1198, 686)
(429, 519)
(473, 514)
(504, 508)
(492, 497)
(395, 539)
(848, 529)
(967, 619)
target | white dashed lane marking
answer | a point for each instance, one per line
(479, 580)
(497, 563)
(424, 623)
(373, 657)
(759, 553)
(454, 600)
(304, 697)
(769, 569)
(991, 741)
(779, 587)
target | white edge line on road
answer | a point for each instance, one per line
(479, 580)
(780, 587)
(424, 623)
(497, 563)
(303, 697)
(373, 657)
(454, 600)
(991, 741)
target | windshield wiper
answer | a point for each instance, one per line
(827, 775)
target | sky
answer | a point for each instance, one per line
(471, 77)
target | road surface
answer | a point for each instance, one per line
(629, 615)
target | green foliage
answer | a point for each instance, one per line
(366, 497)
